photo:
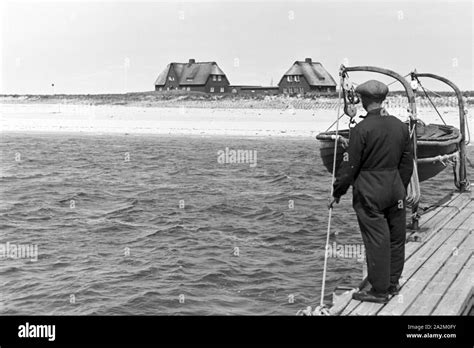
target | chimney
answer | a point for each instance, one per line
(192, 61)
(308, 60)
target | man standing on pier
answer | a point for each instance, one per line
(379, 167)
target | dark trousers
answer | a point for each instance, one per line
(384, 234)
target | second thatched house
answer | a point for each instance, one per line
(306, 76)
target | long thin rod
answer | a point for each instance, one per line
(326, 248)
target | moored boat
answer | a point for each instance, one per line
(435, 146)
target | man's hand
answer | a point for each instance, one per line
(335, 200)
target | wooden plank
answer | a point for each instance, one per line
(414, 261)
(367, 308)
(468, 308)
(435, 224)
(425, 250)
(457, 203)
(459, 293)
(341, 301)
(428, 299)
(350, 307)
(440, 205)
(460, 200)
(443, 203)
(418, 281)
(411, 286)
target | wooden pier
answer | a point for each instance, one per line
(438, 277)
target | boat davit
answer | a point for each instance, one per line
(434, 145)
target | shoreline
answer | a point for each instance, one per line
(152, 135)
(178, 99)
(185, 121)
(112, 119)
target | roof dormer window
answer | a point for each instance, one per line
(297, 78)
(289, 78)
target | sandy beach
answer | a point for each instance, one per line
(67, 118)
(151, 120)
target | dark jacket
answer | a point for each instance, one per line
(380, 161)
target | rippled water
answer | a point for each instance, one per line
(150, 225)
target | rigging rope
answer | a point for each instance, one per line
(322, 309)
(332, 124)
(436, 94)
(326, 248)
(413, 190)
(456, 163)
(395, 81)
(432, 104)
(468, 133)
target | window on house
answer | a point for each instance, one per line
(189, 88)
(290, 90)
(285, 90)
(214, 78)
(297, 79)
(212, 89)
(219, 78)
(222, 89)
(160, 89)
(189, 78)
(301, 90)
(234, 90)
(171, 78)
(289, 78)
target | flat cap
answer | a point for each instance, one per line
(373, 89)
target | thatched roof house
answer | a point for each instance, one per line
(306, 76)
(193, 76)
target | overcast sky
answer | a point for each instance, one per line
(118, 46)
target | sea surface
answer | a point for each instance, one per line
(155, 225)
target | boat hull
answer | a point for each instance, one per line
(426, 148)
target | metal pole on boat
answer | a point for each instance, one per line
(413, 125)
(463, 181)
